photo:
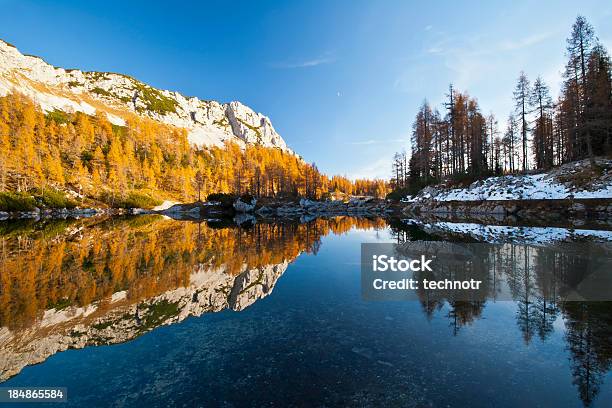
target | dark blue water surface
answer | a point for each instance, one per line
(314, 342)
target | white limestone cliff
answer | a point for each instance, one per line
(209, 123)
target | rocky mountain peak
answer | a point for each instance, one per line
(209, 123)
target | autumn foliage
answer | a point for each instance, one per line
(75, 263)
(462, 144)
(145, 159)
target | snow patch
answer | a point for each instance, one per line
(521, 187)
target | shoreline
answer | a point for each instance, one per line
(554, 210)
(543, 209)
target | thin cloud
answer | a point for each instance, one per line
(435, 50)
(511, 45)
(376, 141)
(321, 60)
(376, 169)
(468, 58)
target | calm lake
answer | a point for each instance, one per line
(150, 311)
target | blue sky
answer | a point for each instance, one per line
(341, 80)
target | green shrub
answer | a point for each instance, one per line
(155, 100)
(100, 91)
(13, 201)
(133, 199)
(58, 116)
(157, 313)
(119, 130)
(51, 198)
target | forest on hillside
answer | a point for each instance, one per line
(45, 154)
(462, 144)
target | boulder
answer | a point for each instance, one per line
(498, 210)
(306, 203)
(577, 207)
(243, 207)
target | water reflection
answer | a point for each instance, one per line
(73, 284)
(543, 280)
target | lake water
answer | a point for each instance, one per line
(149, 311)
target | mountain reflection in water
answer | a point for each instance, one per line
(80, 283)
(72, 284)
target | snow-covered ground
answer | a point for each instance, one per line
(519, 235)
(546, 186)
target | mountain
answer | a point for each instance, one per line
(209, 123)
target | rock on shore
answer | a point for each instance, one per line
(357, 206)
(60, 213)
(538, 209)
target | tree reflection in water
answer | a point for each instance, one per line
(58, 264)
(71, 284)
(536, 276)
